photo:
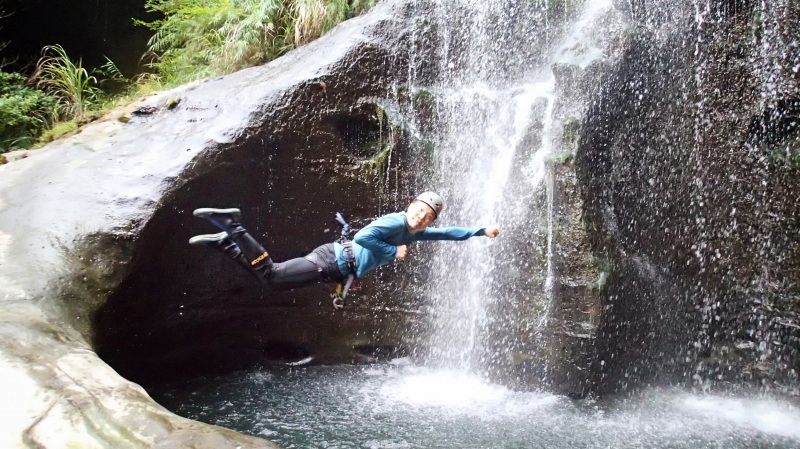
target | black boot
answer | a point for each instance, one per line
(228, 247)
(224, 219)
(229, 221)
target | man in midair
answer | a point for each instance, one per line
(381, 242)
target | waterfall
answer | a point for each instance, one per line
(476, 189)
(498, 121)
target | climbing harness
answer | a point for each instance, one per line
(350, 259)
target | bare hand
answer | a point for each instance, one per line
(491, 232)
(402, 250)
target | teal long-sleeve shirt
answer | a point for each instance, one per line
(376, 244)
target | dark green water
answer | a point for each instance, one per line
(402, 406)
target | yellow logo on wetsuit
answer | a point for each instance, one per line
(259, 259)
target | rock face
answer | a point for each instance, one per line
(688, 164)
(312, 150)
(673, 235)
(94, 230)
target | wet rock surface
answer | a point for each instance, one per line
(688, 161)
(187, 311)
(94, 236)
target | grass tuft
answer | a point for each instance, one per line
(66, 80)
(58, 130)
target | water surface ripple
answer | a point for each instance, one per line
(397, 405)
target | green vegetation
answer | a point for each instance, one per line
(428, 150)
(58, 130)
(423, 95)
(67, 81)
(379, 146)
(572, 127)
(201, 38)
(24, 112)
(757, 25)
(59, 97)
(605, 267)
(560, 159)
(193, 40)
(563, 8)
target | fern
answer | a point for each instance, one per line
(199, 38)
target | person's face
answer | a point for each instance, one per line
(419, 215)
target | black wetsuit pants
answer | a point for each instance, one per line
(318, 266)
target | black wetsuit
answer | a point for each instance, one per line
(318, 266)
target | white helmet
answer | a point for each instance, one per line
(433, 200)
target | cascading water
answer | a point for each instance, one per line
(491, 169)
(483, 152)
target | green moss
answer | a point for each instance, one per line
(429, 149)
(377, 162)
(757, 24)
(564, 8)
(422, 95)
(599, 285)
(785, 154)
(601, 263)
(572, 127)
(59, 130)
(564, 158)
(379, 145)
(605, 266)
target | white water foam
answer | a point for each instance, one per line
(767, 416)
(455, 392)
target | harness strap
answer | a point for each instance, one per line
(349, 257)
(347, 285)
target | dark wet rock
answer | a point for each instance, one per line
(145, 110)
(688, 164)
(94, 231)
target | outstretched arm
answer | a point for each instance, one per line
(455, 233)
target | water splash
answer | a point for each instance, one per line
(488, 109)
(766, 416)
(457, 392)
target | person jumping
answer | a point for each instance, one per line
(378, 243)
